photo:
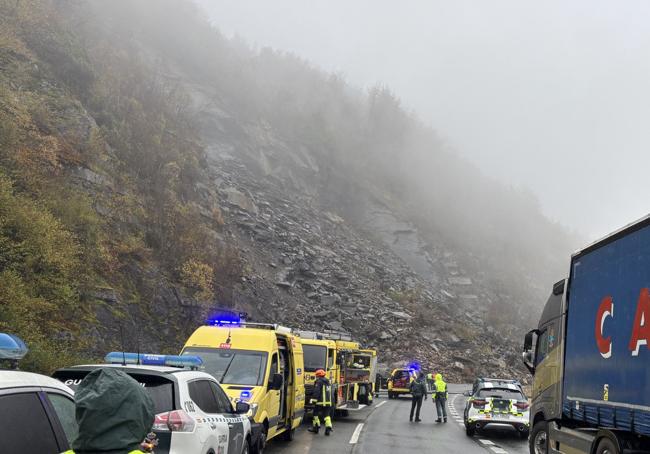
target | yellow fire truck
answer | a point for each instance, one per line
(350, 369)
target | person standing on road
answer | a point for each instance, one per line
(418, 389)
(440, 389)
(322, 398)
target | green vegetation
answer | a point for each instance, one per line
(86, 128)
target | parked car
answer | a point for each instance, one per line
(193, 413)
(499, 404)
(37, 412)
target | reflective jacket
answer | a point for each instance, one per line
(440, 387)
(322, 392)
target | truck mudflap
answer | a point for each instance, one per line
(565, 438)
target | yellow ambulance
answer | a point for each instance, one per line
(261, 364)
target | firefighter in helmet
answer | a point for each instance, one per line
(322, 399)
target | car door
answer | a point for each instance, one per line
(27, 424)
(236, 434)
(211, 425)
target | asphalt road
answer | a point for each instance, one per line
(385, 428)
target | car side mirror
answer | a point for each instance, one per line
(277, 382)
(241, 408)
(529, 350)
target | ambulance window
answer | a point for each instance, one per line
(274, 365)
(24, 425)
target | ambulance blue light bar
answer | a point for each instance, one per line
(12, 347)
(225, 320)
(148, 359)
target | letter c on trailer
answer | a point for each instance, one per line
(605, 310)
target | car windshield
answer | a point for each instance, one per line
(499, 393)
(315, 357)
(235, 367)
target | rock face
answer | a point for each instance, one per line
(316, 261)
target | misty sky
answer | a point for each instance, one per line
(552, 95)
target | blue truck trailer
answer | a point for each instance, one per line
(590, 354)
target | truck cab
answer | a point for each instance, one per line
(261, 364)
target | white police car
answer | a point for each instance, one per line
(496, 404)
(37, 413)
(193, 413)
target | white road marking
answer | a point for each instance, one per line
(381, 403)
(485, 442)
(355, 435)
(497, 450)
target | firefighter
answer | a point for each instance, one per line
(114, 414)
(440, 389)
(418, 390)
(322, 398)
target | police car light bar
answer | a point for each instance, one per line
(12, 347)
(147, 359)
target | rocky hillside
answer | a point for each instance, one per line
(180, 172)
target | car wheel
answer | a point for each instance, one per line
(469, 430)
(538, 442)
(247, 447)
(607, 446)
(523, 434)
(289, 435)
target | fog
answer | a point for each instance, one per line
(552, 96)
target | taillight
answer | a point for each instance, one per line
(174, 421)
(522, 405)
(479, 403)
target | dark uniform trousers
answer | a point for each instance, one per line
(416, 405)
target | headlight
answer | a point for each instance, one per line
(251, 413)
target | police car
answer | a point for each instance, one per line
(37, 413)
(496, 404)
(193, 413)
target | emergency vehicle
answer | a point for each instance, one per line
(193, 413)
(496, 404)
(350, 369)
(261, 364)
(399, 382)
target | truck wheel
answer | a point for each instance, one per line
(607, 446)
(538, 442)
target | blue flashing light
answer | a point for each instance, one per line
(147, 359)
(245, 395)
(12, 347)
(225, 320)
(414, 367)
